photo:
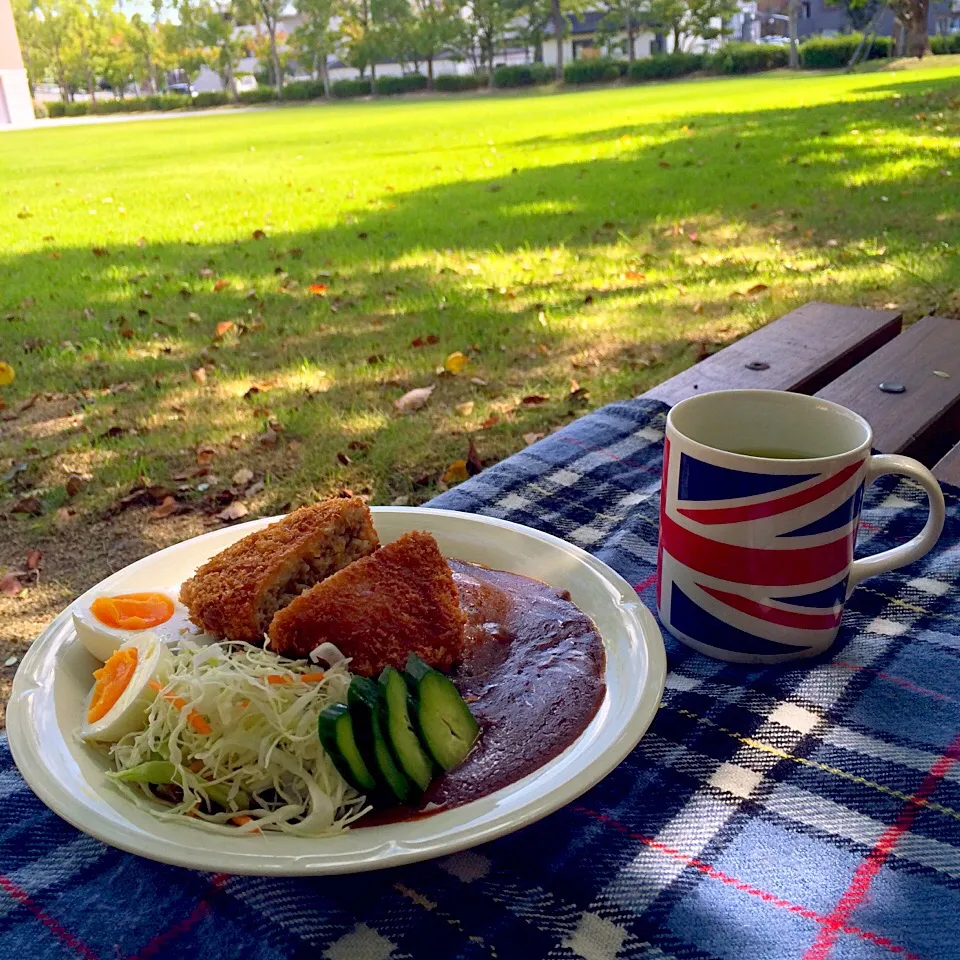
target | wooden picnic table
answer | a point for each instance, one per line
(905, 382)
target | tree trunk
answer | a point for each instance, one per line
(325, 76)
(275, 59)
(676, 38)
(918, 42)
(556, 15)
(794, 10)
(538, 49)
(91, 86)
(430, 71)
(152, 72)
(229, 80)
(631, 40)
(373, 79)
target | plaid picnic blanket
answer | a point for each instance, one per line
(797, 812)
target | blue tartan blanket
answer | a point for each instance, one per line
(797, 812)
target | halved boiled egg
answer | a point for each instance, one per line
(122, 691)
(107, 622)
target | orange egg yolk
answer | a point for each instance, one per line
(133, 611)
(111, 680)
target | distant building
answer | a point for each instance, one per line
(817, 17)
(16, 107)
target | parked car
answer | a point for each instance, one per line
(183, 88)
(246, 82)
(775, 40)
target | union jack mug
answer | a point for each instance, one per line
(759, 511)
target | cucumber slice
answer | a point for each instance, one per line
(335, 727)
(447, 727)
(366, 708)
(398, 706)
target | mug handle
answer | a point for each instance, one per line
(924, 541)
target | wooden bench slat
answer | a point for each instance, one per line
(948, 469)
(803, 350)
(924, 420)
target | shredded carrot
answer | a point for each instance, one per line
(199, 722)
(241, 820)
(196, 720)
(244, 704)
(311, 677)
(195, 766)
(276, 678)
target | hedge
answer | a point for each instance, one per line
(523, 75)
(599, 70)
(833, 52)
(949, 43)
(260, 95)
(303, 90)
(457, 83)
(388, 86)
(351, 88)
(748, 58)
(664, 66)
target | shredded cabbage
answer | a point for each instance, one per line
(262, 747)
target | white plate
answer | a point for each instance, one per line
(55, 677)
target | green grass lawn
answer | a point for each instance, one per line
(602, 237)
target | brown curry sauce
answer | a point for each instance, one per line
(533, 675)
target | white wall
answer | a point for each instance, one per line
(642, 45)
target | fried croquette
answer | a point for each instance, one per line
(236, 594)
(398, 601)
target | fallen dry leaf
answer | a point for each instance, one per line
(474, 463)
(29, 505)
(74, 484)
(205, 274)
(529, 438)
(100, 251)
(223, 328)
(942, 374)
(205, 456)
(258, 235)
(235, 511)
(464, 409)
(165, 509)
(10, 586)
(242, 477)
(456, 362)
(358, 445)
(269, 438)
(414, 399)
(200, 374)
(7, 374)
(221, 284)
(757, 288)
(63, 515)
(318, 289)
(534, 399)
(34, 557)
(344, 459)
(478, 381)
(633, 275)
(698, 308)
(456, 472)
(490, 421)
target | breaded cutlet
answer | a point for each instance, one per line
(398, 601)
(236, 593)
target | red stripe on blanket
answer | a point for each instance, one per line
(17, 893)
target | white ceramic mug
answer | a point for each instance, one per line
(759, 511)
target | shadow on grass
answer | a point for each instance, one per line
(830, 180)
